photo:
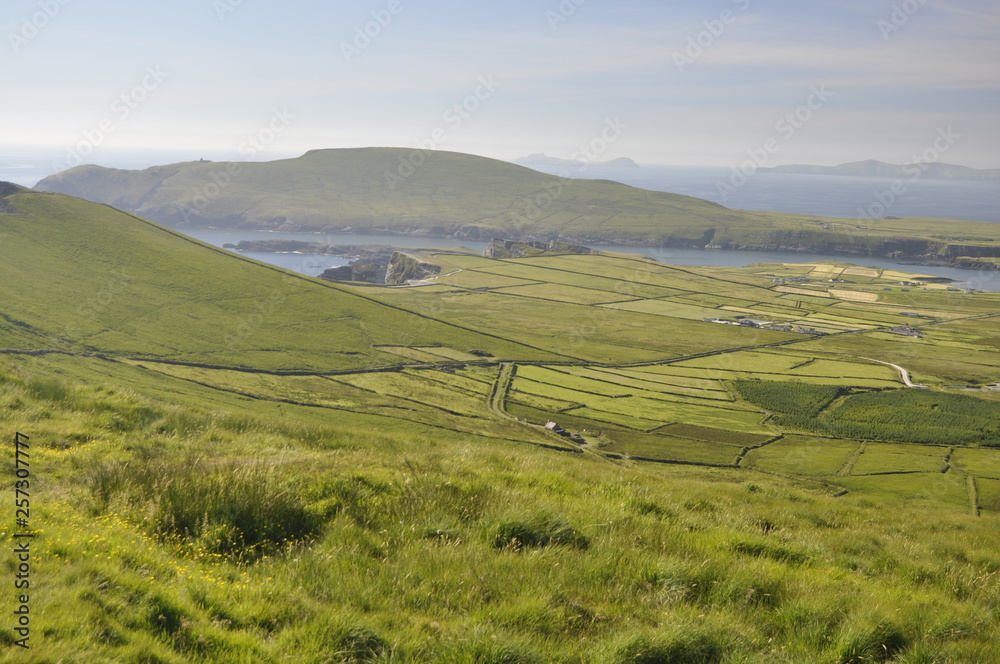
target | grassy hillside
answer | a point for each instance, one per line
(465, 196)
(275, 500)
(88, 278)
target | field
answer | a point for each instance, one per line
(357, 474)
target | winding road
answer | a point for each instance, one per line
(903, 373)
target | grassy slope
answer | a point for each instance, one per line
(395, 509)
(90, 278)
(404, 567)
(452, 193)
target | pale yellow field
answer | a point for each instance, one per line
(831, 270)
(801, 291)
(861, 272)
(854, 296)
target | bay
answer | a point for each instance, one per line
(313, 265)
(828, 196)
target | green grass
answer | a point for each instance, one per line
(141, 290)
(802, 455)
(705, 563)
(876, 461)
(667, 308)
(621, 419)
(930, 491)
(989, 494)
(292, 503)
(239, 511)
(666, 411)
(985, 462)
(711, 435)
(666, 448)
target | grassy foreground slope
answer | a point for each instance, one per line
(193, 513)
(177, 523)
(397, 190)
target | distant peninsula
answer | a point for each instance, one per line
(401, 191)
(540, 159)
(880, 169)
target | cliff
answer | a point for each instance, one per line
(405, 267)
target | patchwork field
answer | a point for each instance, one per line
(235, 464)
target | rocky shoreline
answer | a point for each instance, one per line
(886, 248)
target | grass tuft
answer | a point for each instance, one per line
(539, 531)
(237, 511)
(678, 646)
(876, 643)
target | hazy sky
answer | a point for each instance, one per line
(664, 82)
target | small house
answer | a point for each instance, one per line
(555, 428)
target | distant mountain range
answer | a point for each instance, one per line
(539, 159)
(879, 169)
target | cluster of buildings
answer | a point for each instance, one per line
(907, 331)
(765, 325)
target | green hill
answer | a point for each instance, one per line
(211, 472)
(447, 194)
(88, 278)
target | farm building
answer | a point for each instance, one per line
(907, 331)
(555, 428)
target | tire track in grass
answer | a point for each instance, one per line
(848, 466)
(501, 388)
(970, 482)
